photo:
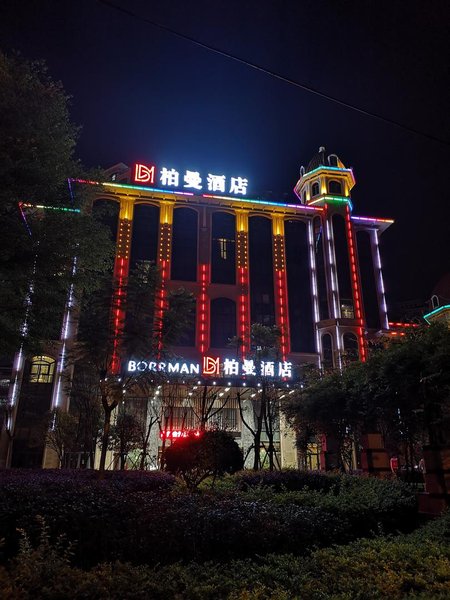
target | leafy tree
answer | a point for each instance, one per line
(125, 435)
(325, 406)
(119, 321)
(206, 454)
(61, 434)
(403, 391)
(264, 396)
(37, 143)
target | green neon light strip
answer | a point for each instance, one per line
(338, 199)
(435, 311)
(328, 169)
(59, 208)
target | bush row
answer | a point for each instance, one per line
(155, 523)
(365, 570)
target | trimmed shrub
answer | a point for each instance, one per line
(289, 480)
(367, 569)
(109, 520)
(210, 453)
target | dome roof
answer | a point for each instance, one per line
(321, 159)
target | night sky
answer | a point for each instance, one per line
(142, 94)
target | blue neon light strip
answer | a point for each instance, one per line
(435, 311)
(328, 169)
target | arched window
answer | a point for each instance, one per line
(144, 241)
(42, 369)
(315, 189)
(262, 301)
(184, 244)
(335, 187)
(333, 160)
(223, 322)
(350, 346)
(327, 351)
(223, 248)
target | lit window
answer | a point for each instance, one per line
(347, 310)
(315, 189)
(223, 248)
(42, 369)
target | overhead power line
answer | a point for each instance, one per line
(273, 74)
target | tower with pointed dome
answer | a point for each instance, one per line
(347, 267)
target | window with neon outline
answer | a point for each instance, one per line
(42, 369)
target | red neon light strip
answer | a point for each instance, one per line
(281, 284)
(119, 313)
(244, 317)
(203, 333)
(355, 283)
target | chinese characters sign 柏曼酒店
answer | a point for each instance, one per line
(189, 180)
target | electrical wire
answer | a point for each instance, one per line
(273, 74)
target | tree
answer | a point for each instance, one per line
(403, 391)
(125, 435)
(118, 321)
(264, 396)
(37, 143)
(327, 405)
(60, 434)
(204, 454)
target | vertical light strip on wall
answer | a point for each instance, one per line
(164, 251)
(355, 283)
(280, 283)
(120, 274)
(314, 289)
(380, 283)
(203, 309)
(243, 282)
(66, 334)
(332, 263)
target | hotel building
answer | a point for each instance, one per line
(310, 266)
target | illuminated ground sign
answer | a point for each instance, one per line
(212, 367)
(193, 181)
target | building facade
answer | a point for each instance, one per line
(309, 266)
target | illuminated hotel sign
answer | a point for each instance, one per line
(192, 181)
(213, 368)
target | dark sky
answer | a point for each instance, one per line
(143, 94)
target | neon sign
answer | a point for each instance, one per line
(212, 367)
(177, 434)
(189, 180)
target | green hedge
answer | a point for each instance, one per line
(363, 570)
(107, 522)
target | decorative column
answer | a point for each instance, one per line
(356, 284)
(281, 300)
(314, 289)
(121, 270)
(376, 260)
(243, 280)
(163, 261)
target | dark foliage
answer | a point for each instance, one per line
(196, 457)
(292, 480)
(416, 566)
(140, 518)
